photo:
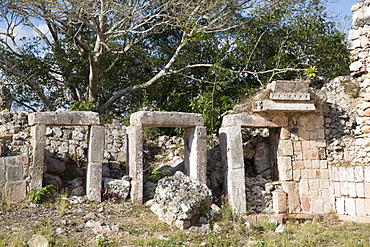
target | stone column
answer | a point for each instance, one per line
(135, 162)
(233, 163)
(95, 162)
(196, 153)
(38, 154)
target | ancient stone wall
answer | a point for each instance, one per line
(66, 153)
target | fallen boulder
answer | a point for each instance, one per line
(179, 200)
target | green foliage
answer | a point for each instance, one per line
(158, 175)
(82, 106)
(41, 195)
(310, 73)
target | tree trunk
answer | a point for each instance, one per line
(93, 77)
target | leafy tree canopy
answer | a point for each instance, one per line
(200, 56)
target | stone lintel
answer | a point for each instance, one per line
(283, 106)
(64, 118)
(290, 96)
(166, 119)
(254, 121)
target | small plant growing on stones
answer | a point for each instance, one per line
(41, 195)
(155, 177)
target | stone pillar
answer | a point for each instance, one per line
(38, 154)
(196, 153)
(135, 162)
(233, 163)
(279, 202)
(95, 162)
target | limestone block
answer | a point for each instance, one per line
(64, 118)
(290, 96)
(366, 173)
(269, 106)
(367, 206)
(291, 188)
(236, 190)
(285, 148)
(285, 168)
(282, 86)
(17, 190)
(135, 136)
(38, 154)
(367, 190)
(334, 173)
(254, 120)
(342, 174)
(96, 144)
(353, 34)
(360, 207)
(350, 206)
(315, 164)
(279, 202)
(339, 205)
(323, 164)
(324, 183)
(344, 189)
(166, 119)
(355, 66)
(360, 191)
(352, 190)
(306, 204)
(284, 134)
(337, 189)
(351, 174)
(304, 187)
(54, 165)
(231, 147)
(94, 181)
(318, 206)
(196, 153)
(314, 184)
(305, 145)
(14, 172)
(359, 173)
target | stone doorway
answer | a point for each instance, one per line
(195, 160)
(40, 120)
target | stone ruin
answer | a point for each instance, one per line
(318, 141)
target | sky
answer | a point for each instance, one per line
(341, 9)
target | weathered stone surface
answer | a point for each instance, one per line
(64, 118)
(290, 96)
(195, 147)
(281, 86)
(180, 199)
(38, 241)
(119, 188)
(52, 179)
(166, 119)
(262, 158)
(248, 153)
(270, 105)
(136, 167)
(38, 153)
(279, 202)
(17, 190)
(254, 121)
(93, 181)
(54, 165)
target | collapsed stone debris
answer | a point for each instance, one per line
(179, 200)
